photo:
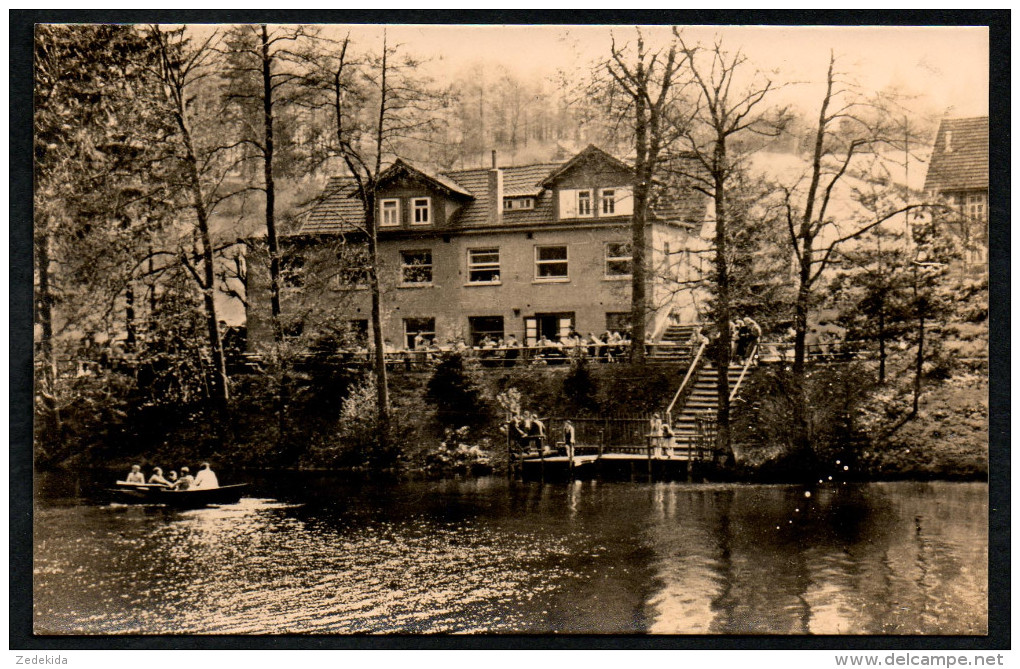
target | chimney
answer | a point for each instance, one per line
(949, 141)
(495, 193)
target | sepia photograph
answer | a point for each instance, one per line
(406, 329)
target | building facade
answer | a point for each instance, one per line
(531, 251)
(958, 173)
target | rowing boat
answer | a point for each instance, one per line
(153, 493)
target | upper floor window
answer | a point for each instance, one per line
(483, 265)
(416, 267)
(518, 203)
(583, 203)
(551, 263)
(390, 210)
(292, 271)
(422, 207)
(618, 259)
(974, 206)
(608, 198)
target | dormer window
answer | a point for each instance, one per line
(518, 203)
(608, 198)
(422, 207)
(390, 212)
(583, 203)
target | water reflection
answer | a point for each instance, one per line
(485, 556)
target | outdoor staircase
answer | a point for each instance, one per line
(677, 338)
(693, 426)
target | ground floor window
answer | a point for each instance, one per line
(415, 267)
(618, 321)
(551, 326)
(425, 328)
(485, 326)
(357, 333)
(551, 263)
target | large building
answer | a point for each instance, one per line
(531, 250)
(958, 173)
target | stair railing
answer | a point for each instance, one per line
(743, 372)
(683, 385)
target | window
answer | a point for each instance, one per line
(550, 263)
(413, 327)
(292, 271)
(583, 203)
(483, 265)
(518, 203)
(974, 206)
(353, 267)
(356, 335)
(485, 326)
(416, 267)
(608, 201)
(422, 210)
(618, 321)
(618, 259)
(390, 210)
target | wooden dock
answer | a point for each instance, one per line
(616, 447)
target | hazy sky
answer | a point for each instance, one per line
(946, 67)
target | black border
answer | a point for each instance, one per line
(20, 258)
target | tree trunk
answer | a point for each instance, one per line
(724, 448)
(381, 385)
(638, 282)
(44, 317)
(881, 344)
(220, 384)
(274, 244)
(919, 364)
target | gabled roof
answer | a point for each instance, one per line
(589, 152)
(339, 209)
(401, 166)
(964, 166)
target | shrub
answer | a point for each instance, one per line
(457, 400)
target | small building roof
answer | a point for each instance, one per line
(959, 160)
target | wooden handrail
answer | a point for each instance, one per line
(687, 378)
(743, 372)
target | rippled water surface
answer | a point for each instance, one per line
(319, 555)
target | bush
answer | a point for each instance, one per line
(580, 388)
(457, 400)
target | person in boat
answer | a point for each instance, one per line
(206, 478)
(136, 475)
(157, 478)
(186, 482)
(172, 478)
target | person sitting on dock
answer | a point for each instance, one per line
(206, 477)
(136, 475)
(157, 478)
(186, 481)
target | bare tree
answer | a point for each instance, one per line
(206, 154)
(725, 104)
(850, 134)
(262, 87)
(647, 79)
(378, 106)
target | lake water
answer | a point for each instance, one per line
(320, 555)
